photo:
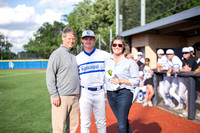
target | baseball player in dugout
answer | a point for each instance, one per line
(91, 72)
(177, 86)
(63, 84)
(189, 64)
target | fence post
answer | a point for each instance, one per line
(155, 86)
(191, 98)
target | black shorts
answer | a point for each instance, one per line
(148, 81)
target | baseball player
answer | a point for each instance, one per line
(177, 82)
(192, 53)
(164, 84)
(140, 57)
(189, 64)
(91, 71)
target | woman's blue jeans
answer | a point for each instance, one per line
(120, 102)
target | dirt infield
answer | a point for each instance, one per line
(149, 120)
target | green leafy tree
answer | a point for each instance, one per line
(98, 16)
(79, 18)
(130, 11)
(5, 48)
(46, 40)
(154, 10)
(177, 6)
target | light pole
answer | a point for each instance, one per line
(142, 16)
(117, 17)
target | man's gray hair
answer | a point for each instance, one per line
(68, 30)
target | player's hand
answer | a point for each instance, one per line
(187, 68)
(56, 101)
(114, 81)
(168, 74)
(175, 70)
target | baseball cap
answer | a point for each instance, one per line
(88, 33)
(160, 51)
(191, 49)
(139, 54)
(141, 73)
(170, 51)
(185, 50)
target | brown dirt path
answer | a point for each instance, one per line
(149, 120)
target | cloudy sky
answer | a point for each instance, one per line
(19, 19)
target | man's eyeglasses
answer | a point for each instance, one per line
(185, 52)
(115, 45)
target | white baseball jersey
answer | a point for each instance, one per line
(142, 60)
(163, 62)
(91, 67)
(175, 62)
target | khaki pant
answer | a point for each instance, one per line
(66, 114)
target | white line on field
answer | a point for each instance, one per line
(20, 74)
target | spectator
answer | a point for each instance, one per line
(122, 83)
(148, 73)
(63, 85)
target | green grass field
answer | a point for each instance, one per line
(24, 102)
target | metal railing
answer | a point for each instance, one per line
(193, 82)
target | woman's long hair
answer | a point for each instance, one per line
(125, 45)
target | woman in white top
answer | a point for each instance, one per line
(122, 82)
(148, 73)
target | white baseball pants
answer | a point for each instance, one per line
(97, 101)
(178, 89)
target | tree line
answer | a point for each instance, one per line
(99, 16)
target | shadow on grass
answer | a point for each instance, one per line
(138, 127)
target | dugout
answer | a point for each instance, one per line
(176, 31)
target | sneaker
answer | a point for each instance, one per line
(184, 114)
(167, 105)
(180, 106)
(150, 103)
(138, 101)
(145, 104)
(172, 105)
(198, 114)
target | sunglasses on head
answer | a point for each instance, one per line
(185, 52)
(115, 45)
